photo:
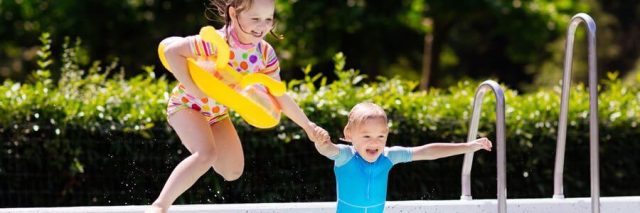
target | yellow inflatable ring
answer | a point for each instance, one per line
(250, 95)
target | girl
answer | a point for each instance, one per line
(204, 126)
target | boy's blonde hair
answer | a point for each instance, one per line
(362, 112)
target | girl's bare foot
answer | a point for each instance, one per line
(155, 209)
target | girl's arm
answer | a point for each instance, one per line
(291, 109)
(317, 134)
(176, 54)
(439, 150)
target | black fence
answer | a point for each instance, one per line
(77, 168)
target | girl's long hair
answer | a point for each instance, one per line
(221, 9)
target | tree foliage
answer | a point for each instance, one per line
(519, 42)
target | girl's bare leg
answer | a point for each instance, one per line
(230, 163)
(206, 151)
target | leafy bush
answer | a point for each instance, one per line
(92, 137)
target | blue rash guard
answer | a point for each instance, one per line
(361, 185)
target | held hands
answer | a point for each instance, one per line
(317, 134)
(481, 143)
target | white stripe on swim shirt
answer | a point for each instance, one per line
(364, 207)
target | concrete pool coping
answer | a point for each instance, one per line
(533, 205)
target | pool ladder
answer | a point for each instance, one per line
(500, 143)
(593, 111)
(562, 126)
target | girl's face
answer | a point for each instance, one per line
(369, 138)
(254, 23)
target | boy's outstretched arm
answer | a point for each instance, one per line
(440, 150)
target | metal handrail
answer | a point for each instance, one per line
(593, 111)
(500, 140)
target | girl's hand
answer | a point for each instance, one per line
(481, 143)
(317, 134)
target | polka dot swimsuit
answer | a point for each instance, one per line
(259, 58)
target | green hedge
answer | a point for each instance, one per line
(91, 137)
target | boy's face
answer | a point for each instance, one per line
(254, 23)
(369, 138)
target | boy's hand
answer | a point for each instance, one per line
(481, 143)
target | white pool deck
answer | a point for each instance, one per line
(545, 205)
